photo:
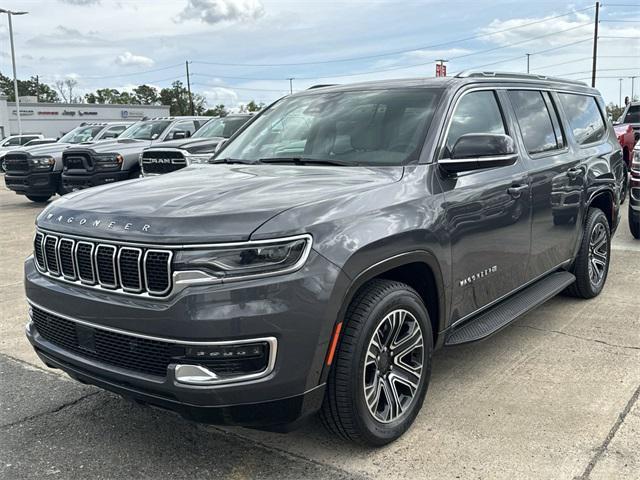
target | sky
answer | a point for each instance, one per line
(243, 50)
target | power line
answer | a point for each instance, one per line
(229, 87)
(397, 52)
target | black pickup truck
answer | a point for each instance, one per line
(337, 240)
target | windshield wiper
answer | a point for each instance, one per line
(232, 161)
(307, 161)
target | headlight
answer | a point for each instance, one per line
(259, 258)
(43, 163)
(198, 158)
(108, 160)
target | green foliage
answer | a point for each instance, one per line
(177, 97)
(217, 111)
(614, 111)
(252, 106)
(29, 87)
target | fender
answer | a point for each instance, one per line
(414, 256)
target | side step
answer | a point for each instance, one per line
(510, 309)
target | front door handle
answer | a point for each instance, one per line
(574, 172)
(516, 190)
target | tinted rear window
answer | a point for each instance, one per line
(633, 114)
(584, 117)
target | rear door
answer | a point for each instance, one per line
(557, 178)
(487, 212)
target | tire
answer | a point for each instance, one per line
(345, 412)
(625, 186)
(634, 225)
(590, 279)
(39, 198)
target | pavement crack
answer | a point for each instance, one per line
(612, 433)
(49, 412)
(629, 347)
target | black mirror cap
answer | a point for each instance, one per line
(476, 151)
(179, 134)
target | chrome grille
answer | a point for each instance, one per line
(104, 265)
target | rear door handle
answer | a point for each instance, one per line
(516, 190)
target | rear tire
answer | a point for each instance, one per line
(39, 198)
(591, 266)
(634, 225)
(385, 347)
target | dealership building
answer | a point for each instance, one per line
(56, 119)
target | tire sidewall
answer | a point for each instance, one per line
(599, 218)
(375, 432)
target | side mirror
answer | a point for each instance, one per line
(220, 145)
(178, 134)
(476, 151)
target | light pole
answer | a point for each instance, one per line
(291, 79)
(13, 60)
(620, 80)
(528, 58)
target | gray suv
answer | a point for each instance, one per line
(335, 242)
(34, 171)
(109, 162)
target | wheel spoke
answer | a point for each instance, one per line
(393, 365)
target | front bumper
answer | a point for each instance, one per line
(297, 309)
(79, 182)
(46, 183)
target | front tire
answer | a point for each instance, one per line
(39, 198)
(592, 263)
(381, 370)
(634, 224)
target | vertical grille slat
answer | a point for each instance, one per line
(67, 263)
(157, 271)
(129, 268)
(51, 254)
(38, 251)
(115, 267)
(106, 265)
(84, 261)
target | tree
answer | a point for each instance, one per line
(177, 97)
(31, 87)
(65, 89)
(146, 95)
(252, 106)
(217, 111)
(614, 111)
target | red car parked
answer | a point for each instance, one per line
(626, 137)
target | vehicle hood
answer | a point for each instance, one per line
(124, 145)
(192, 145)
(46, 149)
(205, 203)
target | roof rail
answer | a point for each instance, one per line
(516, 76)
(322, 85)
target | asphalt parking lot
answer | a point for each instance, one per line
(554, 396)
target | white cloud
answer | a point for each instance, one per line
(217, 11)
(128, 59)
(220, 95)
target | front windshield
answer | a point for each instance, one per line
(148, 130)
(370, 127)
(220, 127)
(81, 134)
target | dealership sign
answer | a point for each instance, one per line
(441, 70)
(131, 113)
(24, 112)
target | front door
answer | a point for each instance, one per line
(488, 214)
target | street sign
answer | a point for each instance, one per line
(441, 70)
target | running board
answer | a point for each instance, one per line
(508, 310)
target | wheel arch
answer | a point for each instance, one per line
(419, 269)
(604, 199)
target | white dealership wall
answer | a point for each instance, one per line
(56, 119)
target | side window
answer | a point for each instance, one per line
(11, 142)
(535, 122)
(476, 112)
(584, 117)
(113, 132)
(24, 140)
(186, 126)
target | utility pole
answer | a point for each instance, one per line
(37, 88)
(186, 63)
(595, 45)
(633, 81)
(528, 57)
(290, 84)
(620, 81)
(13, 61)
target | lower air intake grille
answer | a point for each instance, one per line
(137, 354)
